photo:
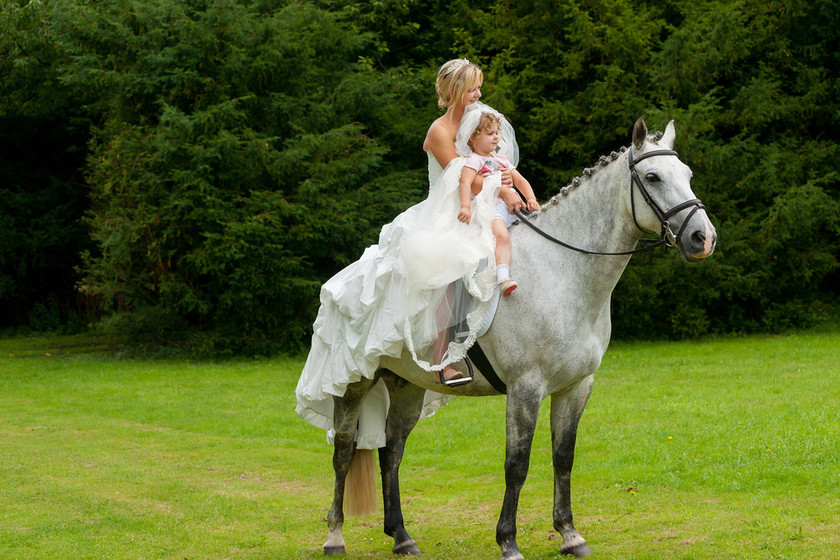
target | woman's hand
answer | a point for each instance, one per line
(511, 198)
(507, 178)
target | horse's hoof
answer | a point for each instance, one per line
(578, 551)
(407, 548)
(330, 550)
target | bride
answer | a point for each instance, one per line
(424, 287)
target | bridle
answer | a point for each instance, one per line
(666, 236)
(665, 232)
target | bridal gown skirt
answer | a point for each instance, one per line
(429, 276)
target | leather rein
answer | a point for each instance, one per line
(666, 236)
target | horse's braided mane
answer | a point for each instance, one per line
(603, 161)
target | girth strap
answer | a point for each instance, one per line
(479, 358)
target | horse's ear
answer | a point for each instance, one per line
(670, 134)
(639, 133)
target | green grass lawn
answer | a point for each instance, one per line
(726, 448)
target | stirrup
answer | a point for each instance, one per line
(457, 381)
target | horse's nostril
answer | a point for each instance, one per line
(699, 237)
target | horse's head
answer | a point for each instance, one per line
(669, 205)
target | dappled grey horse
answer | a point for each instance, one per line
(548, 338)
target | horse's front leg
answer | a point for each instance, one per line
(523, 406)
(566, 410)
(403, 414)
(345, 420)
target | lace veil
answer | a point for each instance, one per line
(507, 141)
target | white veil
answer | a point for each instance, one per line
(507, 141)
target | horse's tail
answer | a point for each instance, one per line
(360, 485)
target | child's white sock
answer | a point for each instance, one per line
(502, 272)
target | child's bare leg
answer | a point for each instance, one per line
(500, 232)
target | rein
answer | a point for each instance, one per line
(524, 219)
(667, 237)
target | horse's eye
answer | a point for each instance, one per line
(652, 177)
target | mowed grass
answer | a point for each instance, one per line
(728, 448)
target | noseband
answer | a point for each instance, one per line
(665, 233)
(666, 236)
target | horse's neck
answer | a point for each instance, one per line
(590, 211)
(591, 216)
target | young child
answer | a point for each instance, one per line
(485, 161)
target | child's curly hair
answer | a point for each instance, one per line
(485, 123)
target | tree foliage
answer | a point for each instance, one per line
(197, 168)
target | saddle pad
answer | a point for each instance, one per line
(490, 314)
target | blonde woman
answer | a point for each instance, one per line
(458, 85)
(424, 287)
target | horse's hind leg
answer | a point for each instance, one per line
(345, 420)
(566, 410)
(406, 406)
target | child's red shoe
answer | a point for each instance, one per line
(507, 286)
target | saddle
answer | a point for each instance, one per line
(475, 355)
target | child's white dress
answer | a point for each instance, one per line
(429, 274)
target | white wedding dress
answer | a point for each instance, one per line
(429, 276)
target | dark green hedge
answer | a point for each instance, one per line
(195, 169)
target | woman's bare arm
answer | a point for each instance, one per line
(439, 143)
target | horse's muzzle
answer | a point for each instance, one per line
(698, 243)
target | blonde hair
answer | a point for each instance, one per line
(485, 122)
(455, 78)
